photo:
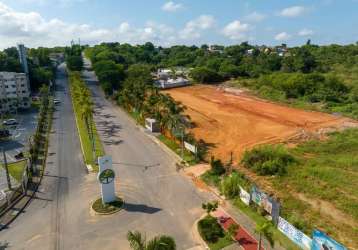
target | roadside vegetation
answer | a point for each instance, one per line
(83, 109)
(138, 241)
(211, 231)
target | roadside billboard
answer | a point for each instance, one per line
(245, 196)
(321, 241)
(266, 202)
(302, 240)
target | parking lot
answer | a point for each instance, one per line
(20, 134)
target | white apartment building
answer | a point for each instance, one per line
(14, 91)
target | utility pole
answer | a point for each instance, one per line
(6, 170)
(182, 143)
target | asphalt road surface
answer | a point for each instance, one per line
(158, 199)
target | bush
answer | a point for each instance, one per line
(230, 185)
(210, 229)
(217, 166)
(268, 160)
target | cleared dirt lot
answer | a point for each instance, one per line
(236, 122)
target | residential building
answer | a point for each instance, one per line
(216, 48)
(23, 58)
(172, 83)
(171, 78)
(14, 91)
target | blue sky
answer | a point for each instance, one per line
(56, 22)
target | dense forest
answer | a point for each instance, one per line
(309, 74)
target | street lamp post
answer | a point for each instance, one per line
(6, 170)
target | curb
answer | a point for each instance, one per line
(196, 234)
(109, 213)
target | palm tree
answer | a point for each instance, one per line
(210, 206)
(139, 242)
(263, 229)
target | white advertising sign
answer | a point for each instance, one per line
(106, 178)
(245, 196)
(302, 240)
(190, 147)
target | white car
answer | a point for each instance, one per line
(56, 101)
(10, 122)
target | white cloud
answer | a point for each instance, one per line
(236, 30)
(255, 17)
(194, 27)
(293, 11)
(33, 30)
(171, 6)
(305, 32)
(283, 36)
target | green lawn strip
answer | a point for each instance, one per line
(188, 156)
(258, 219)
(86, 140)
(221, 243)
(16, 169)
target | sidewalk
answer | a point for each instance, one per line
(246, 241)
(19, 206)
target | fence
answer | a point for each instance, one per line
(270, 205)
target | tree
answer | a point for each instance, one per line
(217, 166)
(74, 63)
(263, 229)
(139, 242)
(205, 75)
(210, 206)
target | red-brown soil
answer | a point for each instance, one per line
(236, 122)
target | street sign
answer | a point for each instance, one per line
(190, 147)
(106, 178)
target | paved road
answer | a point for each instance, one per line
(44, 222)
(158, 199)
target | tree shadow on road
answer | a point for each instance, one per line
(140, 208)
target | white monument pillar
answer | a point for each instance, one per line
(106, 177)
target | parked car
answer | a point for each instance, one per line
(10, 122)
(19, 156)
(56, 101)
(4, 133)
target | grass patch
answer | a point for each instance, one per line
(221, 243)
(108, 208)
(188, 156)
(327, 170)
(16, 169)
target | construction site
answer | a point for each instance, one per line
(232, 121)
